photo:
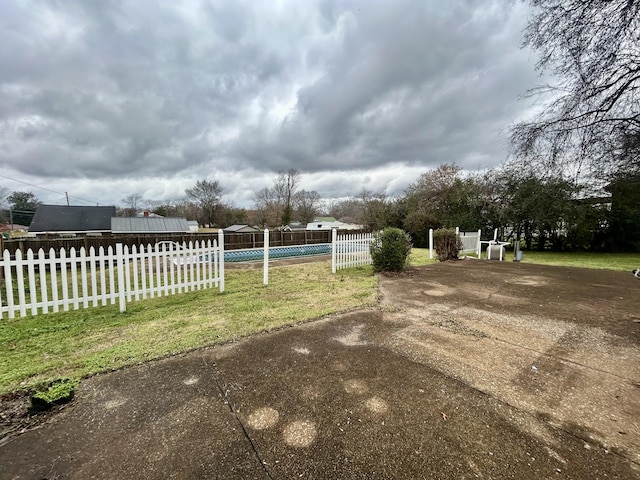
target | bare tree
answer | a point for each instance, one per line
(592, 121)
(375, 209)
(275, 205)
(285, 188)
(346, 210)
(132, 203)
(206, 194)
(268, 208)
(307, 205)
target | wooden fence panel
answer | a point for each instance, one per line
(233, 241)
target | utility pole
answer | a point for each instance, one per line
(11, 218)
(67, 194)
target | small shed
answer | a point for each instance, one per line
(241, 229)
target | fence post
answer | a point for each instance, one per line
(266, 257)
(334, 240)
(121, 287)
(6, 256)
(221, 266)
(430, 243)
(479, 247)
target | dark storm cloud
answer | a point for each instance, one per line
(415, 84)
(135, 89)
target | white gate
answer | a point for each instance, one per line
(350, 250)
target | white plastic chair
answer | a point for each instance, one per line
(493, 243)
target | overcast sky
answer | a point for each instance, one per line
(106, 98)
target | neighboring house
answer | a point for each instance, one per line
(149, 225)
(193, 226)
(146, 213)
(324, 219)
(316, 226)
(294, 227)
(241, 229)
(72, 220)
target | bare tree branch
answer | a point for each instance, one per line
(593, 48)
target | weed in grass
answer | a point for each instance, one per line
(57, 392)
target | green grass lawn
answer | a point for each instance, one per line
(420, 256)
(35, 350)
(610, 261)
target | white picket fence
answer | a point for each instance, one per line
(350, 250)
(62, 280)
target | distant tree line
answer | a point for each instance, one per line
(543, 211)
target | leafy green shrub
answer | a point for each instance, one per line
(57, 392)
(390, 250)
(447, 244)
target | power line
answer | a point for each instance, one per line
(48, 189)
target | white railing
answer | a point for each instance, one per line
(470, 242)
(40, 283)
(350, 250)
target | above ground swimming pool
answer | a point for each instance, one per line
(255, 254)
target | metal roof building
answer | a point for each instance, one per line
(149, 225)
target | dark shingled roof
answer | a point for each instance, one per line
(61, 218)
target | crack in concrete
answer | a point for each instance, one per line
(562, 359)
(225, 394)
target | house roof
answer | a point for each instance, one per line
(332, 225)
(148, 214)
(63, 218)
(148, 225)
(240, 229)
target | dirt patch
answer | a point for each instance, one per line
(17, 416)
(547, 340)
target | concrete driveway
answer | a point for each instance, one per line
(471, 369)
